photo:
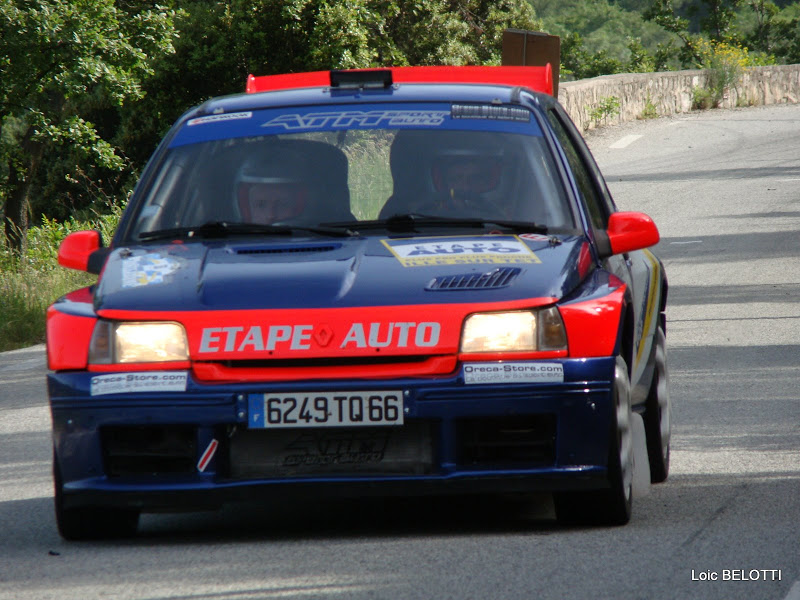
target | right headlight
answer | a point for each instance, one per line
(137, 342)
(515, 331)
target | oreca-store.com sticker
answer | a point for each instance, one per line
(497, 249)
(146, 381)
(513, 372)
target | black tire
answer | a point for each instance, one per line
(610, 506)
(91, 523)
(658, 413)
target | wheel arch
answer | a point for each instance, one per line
(625, 343)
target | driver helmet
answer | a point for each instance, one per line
(269, 192)
(467, 179)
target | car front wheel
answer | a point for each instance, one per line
(610, 506)
(91, 523)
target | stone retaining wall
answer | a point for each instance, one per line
(671, 92)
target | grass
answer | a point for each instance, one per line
(31, 282)
(24, 297)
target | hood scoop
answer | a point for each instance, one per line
(497, 278)
(287, 249)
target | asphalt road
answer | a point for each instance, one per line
(724, 188)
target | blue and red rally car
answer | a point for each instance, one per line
(391, 281)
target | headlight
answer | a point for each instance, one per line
(536, 330)
(137, 343)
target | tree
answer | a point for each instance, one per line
(719, 18)
(754, 25)
(60, 59)
(106, 79)
(222, 42)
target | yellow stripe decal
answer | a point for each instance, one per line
(651, 303)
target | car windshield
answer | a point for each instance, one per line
(345, 164)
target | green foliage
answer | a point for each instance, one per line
(772, 32)
(650, 111)
(124, 72)
(44, 240)
(83, 58)
(606, 109)
(725, 64)
(24, 298)
(702, 98)
(580, 63)
(613, 38)
(31, 282)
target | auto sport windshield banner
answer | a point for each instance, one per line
(343, 117)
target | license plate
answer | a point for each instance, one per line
(326, 409)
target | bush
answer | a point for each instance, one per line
(725, 64)
(702, 98)
(607, 108)
(649, 111)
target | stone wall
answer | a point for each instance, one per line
(671, 92)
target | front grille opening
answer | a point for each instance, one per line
(515, 442)
(331, 452)
(149, 450)
(344, 361)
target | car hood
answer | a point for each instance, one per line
(360, 298)
(356, 272)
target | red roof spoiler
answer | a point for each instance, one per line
(539, 79)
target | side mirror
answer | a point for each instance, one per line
(77, 248)
(629, 231)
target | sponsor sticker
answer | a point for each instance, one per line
(145, 381)
(256, 338)
(218, 118)
(513, 372)
(534, 237)
(349, 447)
(351, 119)
(147, 269)
(498, 249)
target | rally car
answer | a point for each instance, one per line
(388, 281)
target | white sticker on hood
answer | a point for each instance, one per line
(496, 249)
(513, 372)
(144, 381)
(147, 269)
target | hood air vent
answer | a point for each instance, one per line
(287, 249)
(494, 279)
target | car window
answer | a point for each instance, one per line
(354, 163)
(582, 170)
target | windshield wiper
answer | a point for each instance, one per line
(216, 229)
(411, 221)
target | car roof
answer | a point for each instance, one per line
(402, 92)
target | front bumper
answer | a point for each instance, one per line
(195, 449)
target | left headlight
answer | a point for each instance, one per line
(137, 342)
(517, 331)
